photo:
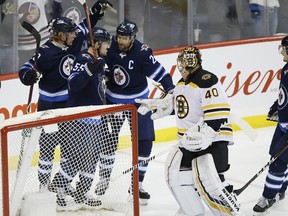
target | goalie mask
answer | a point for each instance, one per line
(189, 60)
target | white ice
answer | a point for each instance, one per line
(246, 158)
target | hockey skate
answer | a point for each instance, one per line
(60, 197)
(82, 198)
(69, 190)
(44, 188)
(280, 196)
(144, 196)
(263, 205)
(102, 186)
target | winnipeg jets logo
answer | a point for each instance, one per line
(282, 97)
(122, 55)
(121, 77)
(74, 14)
(66, 65)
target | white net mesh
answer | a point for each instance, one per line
(74, 156)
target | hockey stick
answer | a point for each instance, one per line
(240, 190)
(95, 54)
(136, 166)
(26, 133)
(37, 37)
(244, 126)
(86, 9)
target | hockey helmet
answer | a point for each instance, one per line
(189, 59)
(127, 28)
(284, 44)
(62, 24)
(284, 41)
(101, 34)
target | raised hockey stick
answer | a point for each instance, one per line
(37, 37)
(95, 54)
(136, 166)
(240, 190)
(86, 9)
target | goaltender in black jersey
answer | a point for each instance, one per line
(195, 167)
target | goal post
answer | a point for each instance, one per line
(91, 144)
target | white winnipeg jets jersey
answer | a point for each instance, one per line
(202, 95)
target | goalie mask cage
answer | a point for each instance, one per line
(90, 142)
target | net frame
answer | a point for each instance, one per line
(67, 114)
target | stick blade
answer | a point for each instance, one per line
(33, 31)
(82, 1)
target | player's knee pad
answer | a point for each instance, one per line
(210, 188)
(180, 184)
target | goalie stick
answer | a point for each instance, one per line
(136, 166)
(37, 37)
(240, 190)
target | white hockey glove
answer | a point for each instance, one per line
(199, 137)
(160, 107)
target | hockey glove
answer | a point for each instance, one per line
(161, 106)
(95, 66)
(99, 8)
(199, 137)
(273, 112)
(57, 9)
(30, 77)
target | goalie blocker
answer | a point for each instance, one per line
(189, 186)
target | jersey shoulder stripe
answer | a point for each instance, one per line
(203, 78)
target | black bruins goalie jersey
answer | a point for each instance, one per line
(202, 95)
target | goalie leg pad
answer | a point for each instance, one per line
(180, 185)
(211, 189)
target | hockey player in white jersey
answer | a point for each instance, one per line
(195, 167)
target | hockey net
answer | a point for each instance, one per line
(91, 142)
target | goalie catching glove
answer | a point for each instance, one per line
(199, 137)
(160, 107)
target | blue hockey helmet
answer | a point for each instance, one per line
(284, 44)
(101, 34)
(284, 41)
(127, 28)
(62, 24)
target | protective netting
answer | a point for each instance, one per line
(80, 159)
